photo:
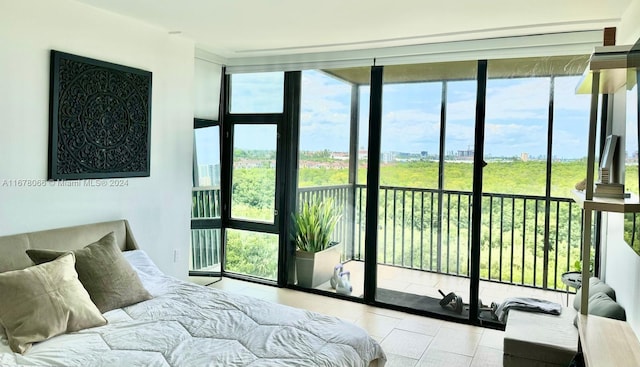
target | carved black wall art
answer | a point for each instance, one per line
(100, 119)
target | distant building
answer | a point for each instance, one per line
(466, 154)
(209, 175)
(524, 157)
(386, 157)
(340, 155)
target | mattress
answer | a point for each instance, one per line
(190, 325)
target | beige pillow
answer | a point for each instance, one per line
(43, 301)
(104, 272)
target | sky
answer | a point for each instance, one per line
(516, 115)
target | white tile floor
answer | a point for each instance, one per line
(408, 340)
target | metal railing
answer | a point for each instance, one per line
(205, 243)
(525, 240)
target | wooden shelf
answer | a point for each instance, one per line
(608, 342)
(628, 205)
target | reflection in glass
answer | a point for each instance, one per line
(205, 250)
(252, 253)
(257, 93)
(206, 192)
(254, 172)
(632, 231)
(631, 142)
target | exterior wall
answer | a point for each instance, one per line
(158, 207)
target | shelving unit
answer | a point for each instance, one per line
(610, 68)
(627, 205)
(604, 342)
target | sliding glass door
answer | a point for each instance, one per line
(535, 145)
(331, 170)
(398, 153)
(427, 142)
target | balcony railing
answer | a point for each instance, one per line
(525, 240)
(205, 243)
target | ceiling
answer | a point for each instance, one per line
(259, 28)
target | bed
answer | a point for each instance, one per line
(177, 323)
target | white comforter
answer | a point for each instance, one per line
(190, 325)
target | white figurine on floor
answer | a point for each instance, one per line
(344, 283)
(336, 275)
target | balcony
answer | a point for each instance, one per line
(424, 240)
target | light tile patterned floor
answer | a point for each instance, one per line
(427, 284)
(408, 340)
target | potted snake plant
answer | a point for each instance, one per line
(316, 252)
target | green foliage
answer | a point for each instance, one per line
(252, 253)
(314, 225)
(632, 230)
(512, 233)
(320, 156)
(254, 188)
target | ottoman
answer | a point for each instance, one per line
(540, 340)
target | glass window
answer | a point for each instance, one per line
(570, 136)
(257, 93)
(631, 142)
(516, 135)
(205, 250)
(206, 191)
(252, 253)
(325, 121)
(204, 254)
(254, 172)
(460, 134)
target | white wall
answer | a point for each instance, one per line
(629, 30)
(623, 270)
(158, 207)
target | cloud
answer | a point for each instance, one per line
(516, 114)
(410, 131)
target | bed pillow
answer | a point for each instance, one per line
(43, 301)
(105, 273)
(595, 286)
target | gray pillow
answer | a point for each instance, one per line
(43, 301)
(105, 273)
(595, 286)
(601, 304)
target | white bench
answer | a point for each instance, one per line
(543, 340)
(540, 340)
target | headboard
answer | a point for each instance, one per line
(13, 247)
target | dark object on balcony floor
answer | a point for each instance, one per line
(423, 303)
(452, 301)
